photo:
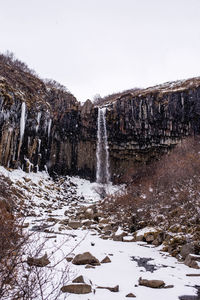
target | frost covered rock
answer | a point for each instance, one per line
(147, 234)
(85, 259)
(119, 234)
(128, 238)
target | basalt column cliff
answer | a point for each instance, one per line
(42, 126)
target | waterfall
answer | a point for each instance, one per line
(38, 121)
(102, 154)
(22, 127)
(22, 121)
(49, 128)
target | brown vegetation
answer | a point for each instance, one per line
(17, 76)
(98, 100)
(161, 193)
(20, 279)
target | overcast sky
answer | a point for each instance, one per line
(104, 46)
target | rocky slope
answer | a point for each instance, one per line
(42, 125)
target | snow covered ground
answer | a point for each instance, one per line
(48, 199)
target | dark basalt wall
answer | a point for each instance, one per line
(140, 127)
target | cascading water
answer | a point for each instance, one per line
(102, 153)
(22, 126)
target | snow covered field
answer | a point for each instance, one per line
(50, 199)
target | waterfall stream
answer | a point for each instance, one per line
(102, 153)
(22, 127)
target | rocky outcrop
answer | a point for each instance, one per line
(47, 127)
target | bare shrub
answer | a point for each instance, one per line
(169, 186)
(18, 279)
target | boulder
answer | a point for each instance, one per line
(106, 260)
(89, 213)
(130, 295)
(77, 288)
(148, 234)
(79, 279)
(69, 258)
(104, 221)
(85, 258)
(119, 234)
(87, 222)
(75, 224)
(149, 237)
(114, 289)
(192, 260)
(38, 262)
(187, 249)
(152, 283)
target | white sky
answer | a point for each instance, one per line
(104, 46)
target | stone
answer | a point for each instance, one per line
(192, 260)
(69, 259)
(119, 234)
(89, 267)
(193, 275)
(24, 225)
(152, 283)
(139, 238)
(38, 262)
(103, 221)
(130, 295)
(89, 213)
(187, 249)
(87, 222)
(64, 222)
(75, 224)
(85, 258)
(149, 238)
(78, 279)
(114, 289)
(106, 260)
(77, 288)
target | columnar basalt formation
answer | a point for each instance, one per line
(48, 129)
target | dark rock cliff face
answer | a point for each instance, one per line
(60, 134)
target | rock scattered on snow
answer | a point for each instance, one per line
(151, 283)
(77, 288)
(85, 258)
(38, 262)
(130, 295)
(75, 224)
(114, 289)
(106, 260)
(192, 261)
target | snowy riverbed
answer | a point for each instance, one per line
(122, 270)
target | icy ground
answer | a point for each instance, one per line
(46, 202)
